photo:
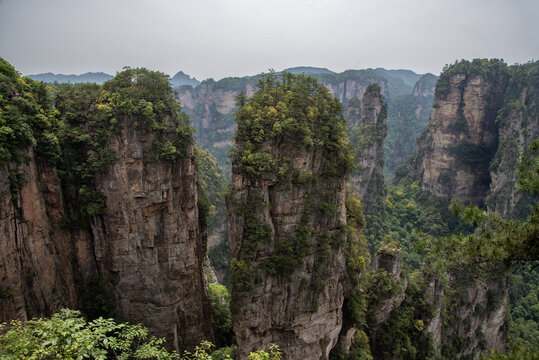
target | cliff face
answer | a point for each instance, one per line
(149, 245)
(368, 130)
(461, 138)
(484, 118)
(286, 225)
(107, 219)
(36, 253)
(518, 125)
(468, 315)
(367, 137)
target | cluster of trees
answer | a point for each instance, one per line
(68, 335)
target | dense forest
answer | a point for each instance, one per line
(333, 212)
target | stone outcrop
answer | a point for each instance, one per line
(149, 244)
(368, 129)
(518, 127)
(367, 137)
(469, 313)
(461, 138)
(389, 259)
(484, 117)
(36, 253)
(145, 254)
(286, 235)
(302, 312)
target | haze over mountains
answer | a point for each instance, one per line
(180, 78)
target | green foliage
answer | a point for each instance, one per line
(357, 256)
(522, 77)
(146, 100)
(220, 260)
(473, 154)
(291, 251)
(85, 124)
(213, 182)
(520, 354)
(294, 109)
(403, 334)
(407, 116)
(222, 322)
(496, 240)
(410, 211)
(225, 353)
(359, 350)
(254, 231)
(66, 335)
(273, 354)
(26, 117)
(490, 69)
(241, 276)
(524, 309)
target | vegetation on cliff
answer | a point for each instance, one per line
(295, 110)
(292, 111)
(27, 117)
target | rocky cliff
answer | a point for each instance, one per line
(469, 313)
(453, 156)
(105, 217)
(484, 117)
(286, 218)
(518, 126)
(367, 137)
(36, 270)
(367, 134)
(483, 120)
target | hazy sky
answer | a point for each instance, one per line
(218, 38)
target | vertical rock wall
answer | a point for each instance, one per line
(35, 252)
(461, 139)
(149, 244)
(286, 222)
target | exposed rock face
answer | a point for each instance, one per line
(149, 245)
(424, 87)
(148, 249)
(469, 314)
(348, 89)
(35, 264)
(461, 138)
(302, 313)
(388, 259)
(286, 237)
(518, 126)
(367, 136)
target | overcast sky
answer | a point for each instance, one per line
(219, 38)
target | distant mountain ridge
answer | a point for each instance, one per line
(308, 70)
(89, 77)
(181, 79)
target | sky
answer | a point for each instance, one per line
(221, 38)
